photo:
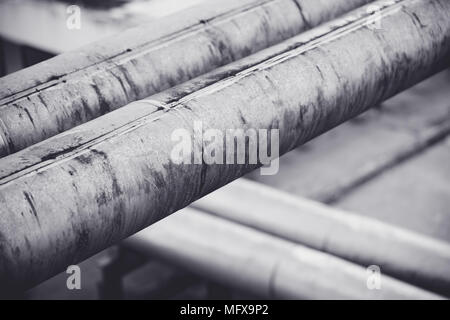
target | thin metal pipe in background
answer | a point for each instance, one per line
(403, 254)
(258, 263)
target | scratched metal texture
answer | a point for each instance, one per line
(116, 177)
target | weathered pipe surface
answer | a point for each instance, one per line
(77, 193)
(403, 254)
(256, 262)
(75, 87)
(88, 133)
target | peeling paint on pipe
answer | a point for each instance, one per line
(253, 261)
(403, 254)
(75, 87)
(77, 193)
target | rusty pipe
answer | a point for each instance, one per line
(77, 193)
(75, 87)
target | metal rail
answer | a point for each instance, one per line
(79, 192)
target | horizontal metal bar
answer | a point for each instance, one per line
(75, 87)
(79, 192)
(255, 262)
(405, 255)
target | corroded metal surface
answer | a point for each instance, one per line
(406, 255)
(61, 93)
(79, 192)
(263, 265)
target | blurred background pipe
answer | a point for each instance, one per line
(403, 254)
(252, 261)
(58, 94)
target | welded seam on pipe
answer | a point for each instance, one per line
(336, 227)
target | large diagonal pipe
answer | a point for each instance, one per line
(79, 192)
(61, 93)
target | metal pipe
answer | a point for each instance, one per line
(169, 96)
(258, 263)
(75, 87)
(77, 193)
(403, 254)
